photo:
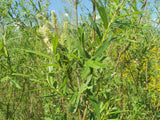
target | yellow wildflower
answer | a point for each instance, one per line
(152, 100)
(158, 90)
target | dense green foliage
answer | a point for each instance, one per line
(56, 70)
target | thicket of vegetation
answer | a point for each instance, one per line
(80, 68)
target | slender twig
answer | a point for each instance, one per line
(8, 103)
(121, 90)
(78, 80)
(120, 54)
(86, 108)
(79, 112)
(71, 5)
(94, 18)
(76, 13)
(34, 5)
(147, 72)
(99, 85)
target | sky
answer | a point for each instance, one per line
(58, 6)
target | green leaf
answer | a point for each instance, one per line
(85, 72)
(55, 44)
(92, 64)
(110, 113)
(103, 14)
(64, 84)
(18, 74)
(102, 47)
(14, 83)
(80, 50)
(73, 99)
(80, 44)
(95, 27)
(85, 85)
(54, 65)
(81, 36)
(77, 103)
(37, 53)
(94, 103)
(1, 46)
(134, 13)
(133, 41)
(22, 6)
(134, 5)
(39, 5)
(6, 78)
(76, 57)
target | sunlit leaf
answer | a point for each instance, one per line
(134, 13)
(14, 83)
(102, 47)
(92, 64)
(77, 103)
(85, 84)
(95, 27)
(4, 79)
(103, 14)
(55, 43)
(19, 74)
(94, 103)
(37, 53)
(1, 46)
(54, 65)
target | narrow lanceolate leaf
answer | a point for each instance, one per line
(75, 56)
(74, 101)
(85, 85)
(134, 5)
(92, 64)
(73, 98)
(19, 74)
(80, 50)
(102, 47)
(80, 44)
(103, 14)
(22, 6)
(55, 44)
(39, 5)
(14, 83)
(94, 103)
(81, 37)
(1, 46)
(37, 53)
(54, 65)
(77, 103)
(104, 106)
(6, 78)
(134, 13)
(95, 64)
(95, 27)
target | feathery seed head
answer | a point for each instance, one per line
(54, 17)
